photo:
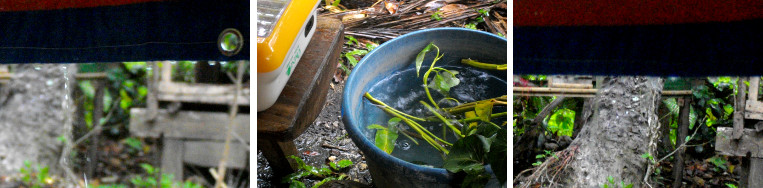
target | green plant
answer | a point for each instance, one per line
(719, 163)
(325, 173)
(134, 144)
(561, 122)
(150, 180)
(436, 15)
(542, 157)
(35, 177)
(351, 40)
(611, 183)
(352, 56)
(729, 185)
(480, 141)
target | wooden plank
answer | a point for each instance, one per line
(570, 81)
(576, 92)
(753, 106)
(186, 124)
(172, 157)
(209, 153)
(201, 93)
(753, 115)
(166, 72)
(750, 142)
(78, 76)
(305, 93)
(755, 175)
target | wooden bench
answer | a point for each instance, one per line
(302, 98)
(193, 137)
(741, 141)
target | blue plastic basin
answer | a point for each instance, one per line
(396, 55)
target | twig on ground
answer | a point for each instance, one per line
(326, 145)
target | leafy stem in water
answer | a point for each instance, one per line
(482, 65)
(446, 121)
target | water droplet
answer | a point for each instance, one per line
(405, 145)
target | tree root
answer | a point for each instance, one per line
(546, 174)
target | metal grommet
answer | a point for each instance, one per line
(230, 42)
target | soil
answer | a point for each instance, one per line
(326, 137)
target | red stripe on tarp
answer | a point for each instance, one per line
(632, 12)
(33, 5)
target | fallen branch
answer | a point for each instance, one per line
(220, 175)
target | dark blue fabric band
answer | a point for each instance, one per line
(699, 49)
(167, 30)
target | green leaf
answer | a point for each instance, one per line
(351, 39)
(420, 57)
(107, 100)
(692, 117)
(149, 169)
(301, 164)
(351, 56)
(496, 157)
(344, 163)
(728, 109)
(672, 105)
(385, 139)
(61, 139)
(296, 184)
(484, 109)
(562, 122)
(393, 121)
(323, 181)
(611, 180)
(467, 154)
(134, 143)
(87, 89)
(323, 172)
(42, 174)
(445, 80)
(436, 16)
(371, 46)
(471, 25)
(687, 139)
(629, 186)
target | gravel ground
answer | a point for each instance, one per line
(325, 138)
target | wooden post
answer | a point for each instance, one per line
(277, 152)
(683, 131)
(151, 102)
(92, 151)
(755, 175)
(172, 157)
(739, 108)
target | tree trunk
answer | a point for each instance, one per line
(623, 127)
(35, 111)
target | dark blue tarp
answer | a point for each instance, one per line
(164, 30)
(692, 49)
